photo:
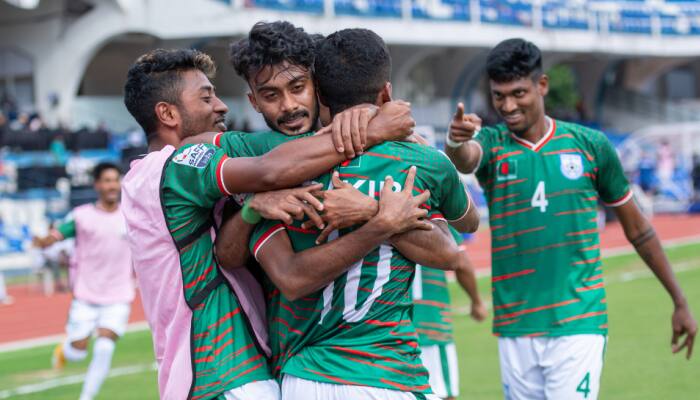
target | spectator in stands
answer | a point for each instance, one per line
(20, 123)
(665, 163)
(57, 148)
(3, 127)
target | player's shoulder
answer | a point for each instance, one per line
(196, 155)
(494, 133)
(417, 154)
(580, 132)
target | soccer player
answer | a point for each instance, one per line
(102, 280)
(432, 316)
(200, 323)
(354, 337)
(543, 179)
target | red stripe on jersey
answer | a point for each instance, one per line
(581, 316)
(223, 346)
(291, 311)
(177, 228)
(595, 246)
(579, 211)
(505, 155)
(222, 334)
(591, 198)
(498, 199)
(589, 175)
(498, 278)
(389, 303)
(494, 227)
(512, 212)
(226, 317)
(265, 236)
(432, 303)
(353, 176)
(594, 278)
(405, 388)
(332, 378)
(202, 348)
(217, 139)
(248, 361)
(249, 370)
(502, 185)
(502, 323)
(436, 216)
(200, 278)
(563, 135)
(594, 287)
(622, 200)
(586, 232)
(301, 230)
(220, 176)
(200, 387)
(563, 151)
(200, 335)
(509, 305)
(588, 261)
(502, 248)
(536, 309)
(285, 323)
(435, 282)
(384, 367)
(369, 153)
(518, 233)
(536, 334)
(604, 326)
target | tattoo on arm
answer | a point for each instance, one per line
(643, 238)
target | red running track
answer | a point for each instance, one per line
(33, 315)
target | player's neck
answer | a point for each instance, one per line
(107, 206)
(537, 131)
(162, 139)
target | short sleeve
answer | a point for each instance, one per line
(241, 144)
(67, 228)
(612, 185)
(452, 199)
(262, 232)
(484, 140)
(195, 174)
(456, 235)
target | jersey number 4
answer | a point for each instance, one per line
(539, 199)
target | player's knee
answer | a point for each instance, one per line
(107, 333)
(81, 344)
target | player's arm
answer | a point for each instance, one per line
(285, 205)
(642, 236)
(298, 274)
(64, 231)
(466, 277)
(464, 153)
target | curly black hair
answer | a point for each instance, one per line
(271, 43)
(352, 66)
(156, 77)
(514, 59)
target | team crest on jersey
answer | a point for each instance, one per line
(571, 165)
(196, 156)
(354, 163)
(507, 170)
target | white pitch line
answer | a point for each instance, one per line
(73, 379)
(53, 339)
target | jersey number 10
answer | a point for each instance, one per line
(539, 199)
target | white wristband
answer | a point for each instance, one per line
(451, 143)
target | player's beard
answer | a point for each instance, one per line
(190, 127)
(277, 125)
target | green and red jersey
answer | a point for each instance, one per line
(546, 267)
(358, 329)
(432, 312)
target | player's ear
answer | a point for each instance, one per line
(543, 85)
(253, 101)
(167, 114)
(385, 94)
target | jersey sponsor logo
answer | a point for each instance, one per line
(571, 165)
(507, 170)
(196, 156)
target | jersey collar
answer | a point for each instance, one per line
(537, 146)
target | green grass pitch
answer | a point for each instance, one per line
(638, 365)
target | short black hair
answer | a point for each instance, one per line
(352, 66)
(156, 77)
(514, 59)
(271, 43)
(102, 167)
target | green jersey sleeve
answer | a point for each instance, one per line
(451, 200)
(262, 232)
(195, 173)
(485, 140)
(242, 144)
(612, 185)
(67, 228)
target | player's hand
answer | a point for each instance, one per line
(683, 324)
(479, 311)
(43, 242)
(289, 204)
(393, 122)
(400, 211)
(349, 129)
(344, 206)
(463, 127)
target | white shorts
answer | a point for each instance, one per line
(294, 388)
(564, 367)
(258, 390)
(441, 362)
(84, 318)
